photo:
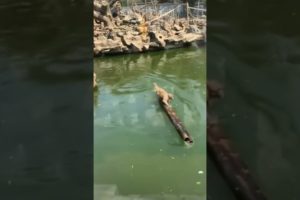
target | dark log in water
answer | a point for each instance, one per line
(176, 122)
(231, 166)
(227, 160)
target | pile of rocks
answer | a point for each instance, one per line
(120, 32)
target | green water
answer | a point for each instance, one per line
(137, 152)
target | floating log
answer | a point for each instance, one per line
(164, 98)
(228, 161)
(177, 123)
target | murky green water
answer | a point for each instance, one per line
(137, 151)
(254, 51)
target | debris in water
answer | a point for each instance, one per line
(200, 172)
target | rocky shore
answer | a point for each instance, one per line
(131, 30)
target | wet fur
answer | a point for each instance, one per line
(163, 94)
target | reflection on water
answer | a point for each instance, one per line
(136, 149)
(260, 71)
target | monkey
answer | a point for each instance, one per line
(143, 29)
(163, 94)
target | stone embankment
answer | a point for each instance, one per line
(131, 31)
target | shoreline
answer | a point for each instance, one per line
(118, 32)
(196, 44)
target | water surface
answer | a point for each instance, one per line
(254, 51)
(137, 151)
(46, 117)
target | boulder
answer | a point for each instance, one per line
(134, 43)
(159, 38)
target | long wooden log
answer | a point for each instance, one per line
(228, 160)
(184, 134)
(164, 97)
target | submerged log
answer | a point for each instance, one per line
(234, 170)
(232, 167)
(164, 99)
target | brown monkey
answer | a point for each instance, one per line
(163, 94)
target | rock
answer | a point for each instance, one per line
(126, 32)
(146, 46)
(120, 34)
(159, 38)
(137, 46)
(167, 27)
(177, 27)
(135, 33)
(133, 19)
(139, 18)
(116, 8)
(153, 45)
(127, 39)
(135, 43)
(108, 45)
(175, 38)
(126, 18)
(192, 37)
(193, 29)
(102, 13)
